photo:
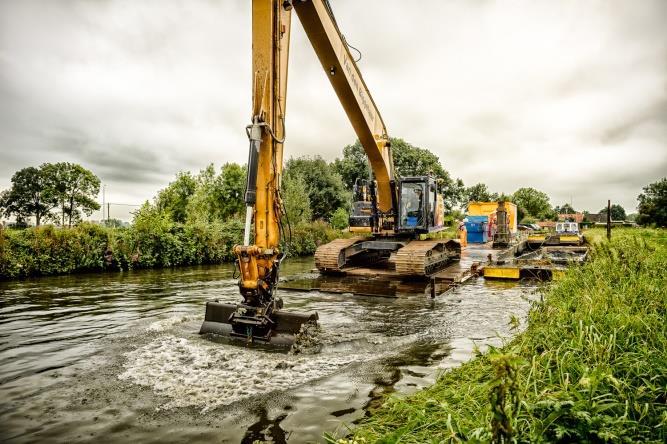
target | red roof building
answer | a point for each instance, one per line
(547, 224)
(575, 217)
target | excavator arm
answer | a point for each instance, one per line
(259, 316)
(271, 22)
(333, 52)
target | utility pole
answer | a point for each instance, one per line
(108, 211)
(608, 219)
(104, 192)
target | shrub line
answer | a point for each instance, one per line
(156, 242)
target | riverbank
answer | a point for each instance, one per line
(591, 365)
(158, 243)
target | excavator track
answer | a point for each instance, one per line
(421, 258)
(331, 256)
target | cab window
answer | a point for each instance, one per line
(412, 205)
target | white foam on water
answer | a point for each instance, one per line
(205, 375)
(165, 324)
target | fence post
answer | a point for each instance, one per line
(608, 219)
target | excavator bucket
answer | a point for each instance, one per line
(243, 323)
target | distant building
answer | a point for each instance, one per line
(616, 223)
(599, 217)
(547, 224)
(574, 217)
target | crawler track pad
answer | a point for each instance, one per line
(287, 324)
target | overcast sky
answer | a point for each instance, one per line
(569, 97)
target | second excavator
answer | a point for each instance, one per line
(389, 213)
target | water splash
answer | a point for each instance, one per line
(168, 323)
(196, 373)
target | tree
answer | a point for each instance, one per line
(295, 197)
(353, 165)
(617, 212)
(204, 197)
(653, 204)
(565, 209)
(201, 205)
(74, 187)
(480, 193)
(230, 190)
(533, 202)
(113, 223)
(325, 187)
(340, 219)
(409, 160)
(30, 195)
(173, 200)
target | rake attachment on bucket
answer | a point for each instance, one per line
(267, 325)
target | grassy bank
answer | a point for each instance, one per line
(154, 243)
(590, 367)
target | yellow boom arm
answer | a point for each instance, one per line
(270, 47)
(332, 50)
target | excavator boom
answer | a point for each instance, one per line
(333, 52)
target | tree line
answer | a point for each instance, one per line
(53, 192)
(534, 205)
(312, 189)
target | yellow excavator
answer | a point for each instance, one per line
(391, 213)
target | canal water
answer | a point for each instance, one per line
(117, 357)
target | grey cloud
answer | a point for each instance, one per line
(139, 90)
(112, 162)
(655, 112)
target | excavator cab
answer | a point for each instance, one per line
(420, 208)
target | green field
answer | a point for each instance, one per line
(591, 365)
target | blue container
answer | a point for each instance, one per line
(477, 237)
(411, 221)
(477, 229)
(478, 219)
(477, 232)
(474, 227)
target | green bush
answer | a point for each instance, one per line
(340, 218)
(154, 241)
(49, 250)
(307, 237)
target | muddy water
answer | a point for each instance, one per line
(117, 358)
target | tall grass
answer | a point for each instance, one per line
(590, 367)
